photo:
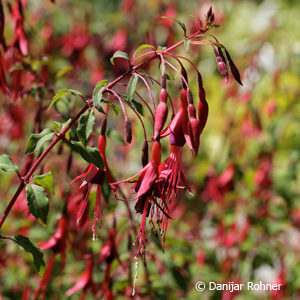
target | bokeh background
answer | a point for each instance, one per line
(242, 223)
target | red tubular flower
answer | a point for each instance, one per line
(148, 175)
(85, 281)
(202, 105)
(161, 114)
(57, 243)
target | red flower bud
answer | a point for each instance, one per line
(234, 70)
(128, 131)
(156, 152)
(145, 158)
(221, 64)
(194, 134)
(160, 118)
(202, 105)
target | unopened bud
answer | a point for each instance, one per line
(190, 96)
(163, 81)
(160, 119)
(194, 134)
(103, 126)
(145, 156)
(209, 12)
(192, 111)
(184, 74)
(128, 131)
(156, 152)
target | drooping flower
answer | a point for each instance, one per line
(85, 281)
(96, 176)
(57, 243)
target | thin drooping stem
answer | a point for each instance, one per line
(58, 137)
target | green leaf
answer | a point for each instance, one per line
(62, 93)
(119, 54)
(60, 126)
(138, 107)
(37, 202)
(85, 126)
(90, 154)
(131, 86)
(186, 43)
(25, 244)
(36, 141)
(141, 48)
(215, 26)
(6, 164)
(182, 25)
(97, 95)
(45, 180)
(115, 107)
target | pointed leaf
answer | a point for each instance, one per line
(37, 202)
(141, 48)
(85, 126)
(6, 163)
(45, 180)
(24, 243)
(36, 141)
(119, 54)
(138, 107)
(62, 93)
(182, 25)
(97, 94)
(90, 154)
(131, 86)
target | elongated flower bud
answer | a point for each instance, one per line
(221, 65)
(103, 126)
(156, 152)
(128, 131)
(194, 129)
(145, 158)
(234, 70)
(190, 96)
(202, 105)
(161, 114)
(184, 74)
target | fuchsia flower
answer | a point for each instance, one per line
(85, 281)
(57, 243)
(94, 175)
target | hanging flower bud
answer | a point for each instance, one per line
(128, 131)
(221, 64)
(184, 74)
(202, 105)
(234, 70)
(145, 158)
(194, 129)
(103, 126)
(161, 113)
